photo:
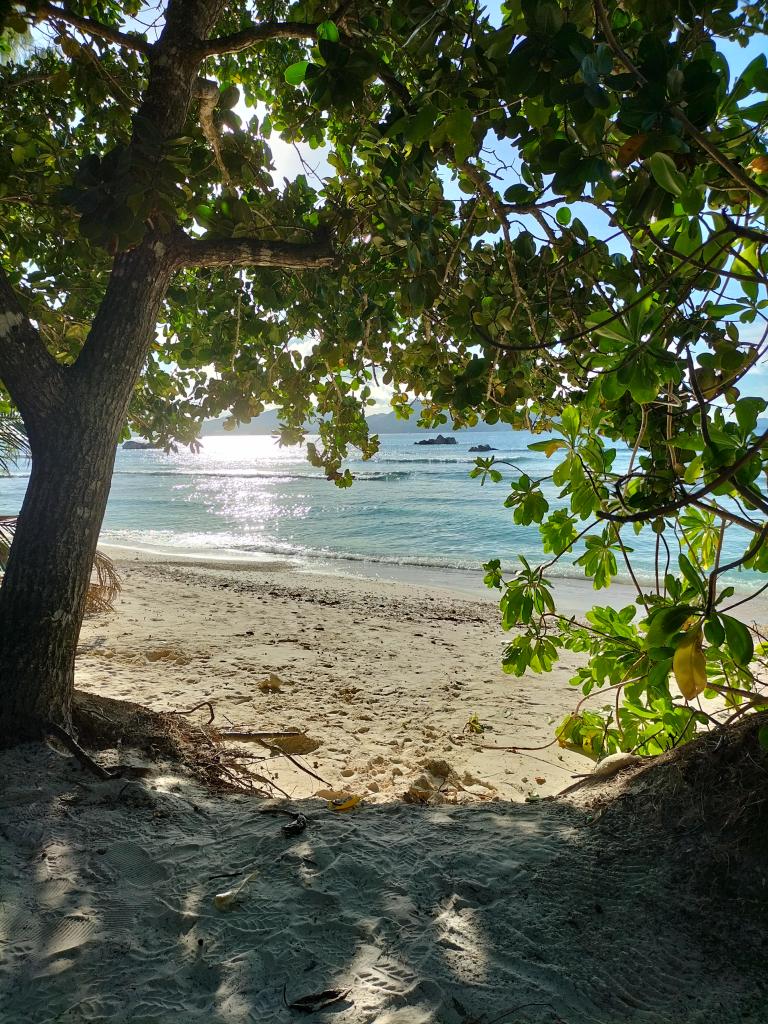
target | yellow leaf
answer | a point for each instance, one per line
(690, 665)
(630, 150)
(345, 805)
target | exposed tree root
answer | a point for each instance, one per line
(102, 723)
(82, 756)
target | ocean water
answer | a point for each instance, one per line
(411, 506)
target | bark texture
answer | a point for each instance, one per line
(43, 594)
(73, 436)
(74, 416)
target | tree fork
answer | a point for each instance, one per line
(74, 414)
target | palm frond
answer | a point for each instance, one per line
(105, 585)
(7, 526)
(14, 443)
(105, 582)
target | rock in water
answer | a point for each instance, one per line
(440, 439)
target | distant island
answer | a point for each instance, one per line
(379, 423)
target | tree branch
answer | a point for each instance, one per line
(691, 261)
(693, 497)
(250, 252)
(238, 41)
(125, 324)
(28, 370)
(751, 551)
(131, 41)
(752, 234)
(731, 517)
(757, 500)
(530, 208)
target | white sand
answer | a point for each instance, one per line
(385, 676)
(447, 915)
(462, 913)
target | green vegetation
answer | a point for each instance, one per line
(556, 219)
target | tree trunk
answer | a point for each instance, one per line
(73, 435)
(74, 415)
(43, 595)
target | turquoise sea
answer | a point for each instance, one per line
(411, 506)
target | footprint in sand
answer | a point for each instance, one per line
(133, 864)
(63, 935)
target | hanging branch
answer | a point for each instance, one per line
(130, 41)
(250, 252)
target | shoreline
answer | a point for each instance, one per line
(574, 595)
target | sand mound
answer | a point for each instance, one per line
(533, 914)
(710, 797)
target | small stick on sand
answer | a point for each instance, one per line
(188, 711)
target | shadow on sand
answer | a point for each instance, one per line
(514, 913)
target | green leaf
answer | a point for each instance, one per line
(543, 16)
(327, 30)
(548, 447)
(558, 532)
(599, 560)
(747, 411)
(738, 639)
(518, 195)
(607, 324)
(665, 623)
(456, 128)
(419, 127)
(571, 421)
(296, 73)
(691, 575)
(714, 631)
(666, 173)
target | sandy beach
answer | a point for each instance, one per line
(384, 676)
(450, 895)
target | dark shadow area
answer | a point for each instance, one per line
(644, 905)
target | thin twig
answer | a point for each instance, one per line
(189, 711)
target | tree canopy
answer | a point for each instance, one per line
(549, 214)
